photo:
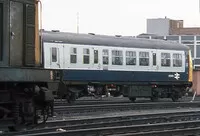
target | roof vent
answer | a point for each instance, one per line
(91, 33)
(118, 35)
(55, 30)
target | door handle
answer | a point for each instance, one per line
(58, 65)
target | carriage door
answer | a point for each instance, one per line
(154, 61)
(96, 61)
(56, 57)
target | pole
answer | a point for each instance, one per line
(77, 22)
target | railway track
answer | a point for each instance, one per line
(148, 124)
(82, 109)
(114, 100)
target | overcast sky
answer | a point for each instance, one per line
(115, 17)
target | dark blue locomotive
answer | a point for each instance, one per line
(23, 81)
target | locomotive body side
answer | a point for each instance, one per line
(137, 67)
(23, 81)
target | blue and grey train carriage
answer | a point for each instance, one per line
(135, 67)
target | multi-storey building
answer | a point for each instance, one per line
(192, 41)
(168, 29)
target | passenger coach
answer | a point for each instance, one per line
(135, 67)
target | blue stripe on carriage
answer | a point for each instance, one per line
(120, 76)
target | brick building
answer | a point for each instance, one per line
(166, 26)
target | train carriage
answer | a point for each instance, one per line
(137, 67)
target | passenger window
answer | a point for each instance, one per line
(54, 54)
(165, 59)
(177, 60)
(73, 55)
(154, 59)
(86, 56)
(96, 56)
(130, 58)
(105, 57)
(117, 57)
(1, 30)
(144, 58)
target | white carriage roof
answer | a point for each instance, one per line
(130, 42)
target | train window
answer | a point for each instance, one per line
(154, 59)
(54, 54)
(105, 57)
(73, 55)
(130, 58)
(117, 57)
(86, 56)
(1, 30)
(177, 60)
(96, 56)
(165, 59)
(144, 58)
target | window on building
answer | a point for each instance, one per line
(177, 60)
(192, 49)
(154, 59)
(117, 57)
(130, 58)
(54, 54)
(73, 55)
(86, 56)
(165, 59)
(198, 51)
(96, 56)
(1, 30)
(105, 55)
(144, 58)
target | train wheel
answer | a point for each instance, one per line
(175, 98)
(154, 99)
(132, 99)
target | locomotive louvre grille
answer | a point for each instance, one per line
(29, 35)
(1, 30)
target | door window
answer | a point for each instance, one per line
(54, 54)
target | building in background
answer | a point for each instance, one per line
(173, 30)
(166, 26)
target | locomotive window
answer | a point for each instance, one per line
(73, 57)
(86, 56)
(130, 58)
(1, 30)
(177, 60)
(96, 56)
(165, 59)
(154, 59)
(54, 54)
(144, 58)
(105, 57)
(117, 57)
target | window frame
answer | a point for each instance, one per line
(179, 59)
(105, 56)
(73, 53)
(128, 56)
(169, 58)
(144, 57)
(96, 56)
(54, 54)
(117, 55)
(85, 55)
